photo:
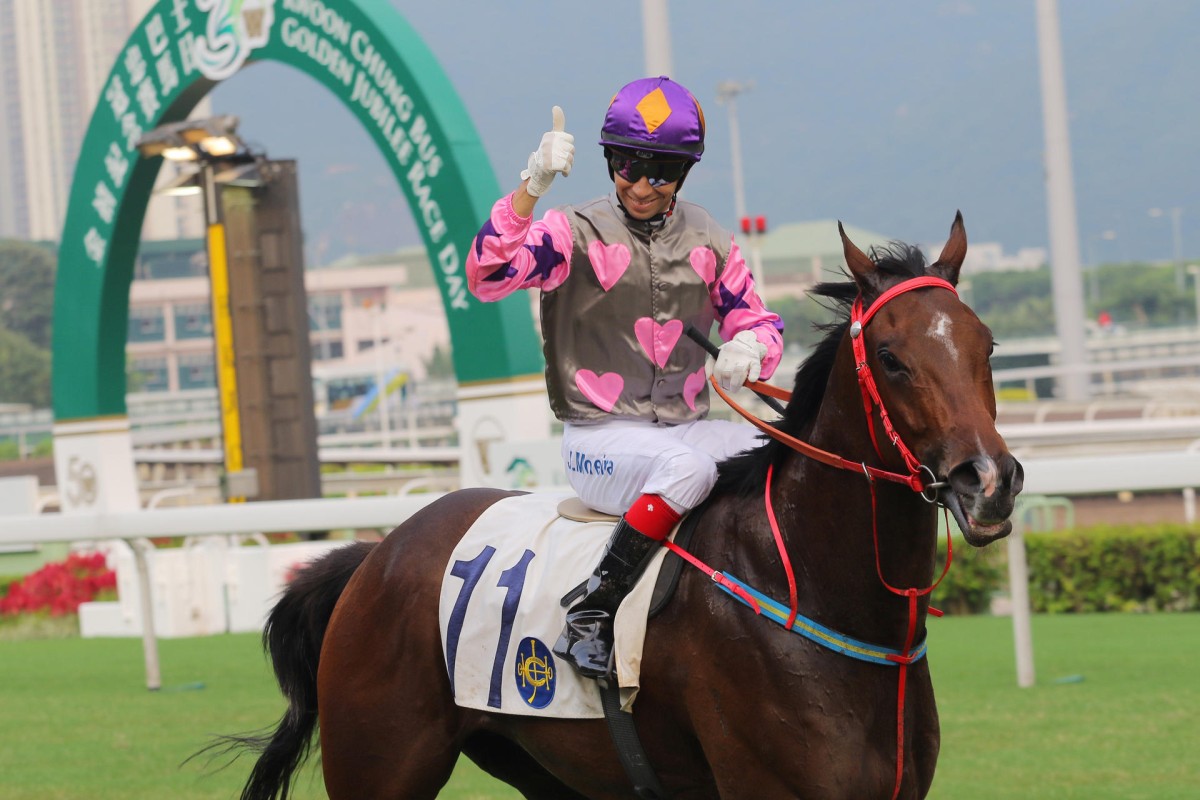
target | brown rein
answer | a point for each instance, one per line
(871, 401)
(912, 480)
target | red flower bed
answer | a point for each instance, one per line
(60, 587)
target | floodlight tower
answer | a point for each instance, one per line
(727, 93)
(1066, 276)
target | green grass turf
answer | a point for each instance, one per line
(1113, 715)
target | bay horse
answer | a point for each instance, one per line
(730, 706)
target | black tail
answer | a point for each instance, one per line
(293, 636)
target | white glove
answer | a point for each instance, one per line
(556, 153)
(739, 360)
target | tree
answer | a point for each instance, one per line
(27, 290)
(801, 316)
(440, 363)
(24, 371)
(1143, 295)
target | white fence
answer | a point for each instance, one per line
(233, 586)
(212, 584)
(206, 586)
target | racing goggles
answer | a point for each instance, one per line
(658, 173)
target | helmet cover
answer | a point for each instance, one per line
(655, 116)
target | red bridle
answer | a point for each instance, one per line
(872, 402)
(866, 380)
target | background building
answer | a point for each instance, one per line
(369, 317)
(54, 58)
(795, 255)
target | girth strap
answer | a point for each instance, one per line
(620, 723)
(629, 747)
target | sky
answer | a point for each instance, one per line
(889, 116)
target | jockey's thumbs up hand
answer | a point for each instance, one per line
(555, 153)
(739, 360)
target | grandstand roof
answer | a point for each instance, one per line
(801, 250)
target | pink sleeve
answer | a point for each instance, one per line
(739, 308)
(512, 252)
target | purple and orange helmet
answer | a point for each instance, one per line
(655, 117)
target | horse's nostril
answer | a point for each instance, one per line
(980, 475)
(965, 478)
(1014, 475)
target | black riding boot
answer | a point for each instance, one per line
(587, 640)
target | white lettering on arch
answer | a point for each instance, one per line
(456, 288)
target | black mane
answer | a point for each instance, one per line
(745, 474)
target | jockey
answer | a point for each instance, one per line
(620, 276)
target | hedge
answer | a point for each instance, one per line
(1103, 568)
(976, 575)
(1110, 568)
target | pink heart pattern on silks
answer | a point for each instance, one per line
(602, 390)
(658, 340)
(608, 262)
(704, 261)
(692, 386)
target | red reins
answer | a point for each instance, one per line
(872, 402)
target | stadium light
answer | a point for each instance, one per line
(220, 157)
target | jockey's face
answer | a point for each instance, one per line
(643, 201)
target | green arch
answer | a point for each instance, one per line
(372, 60)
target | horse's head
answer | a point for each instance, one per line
(928, 355)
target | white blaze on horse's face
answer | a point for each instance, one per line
(939, 329)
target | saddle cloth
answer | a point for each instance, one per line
(500, 612)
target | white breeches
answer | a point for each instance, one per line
(611, 464)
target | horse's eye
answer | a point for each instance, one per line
(890, 362)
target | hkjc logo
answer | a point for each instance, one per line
(535, 673)
(234, 29)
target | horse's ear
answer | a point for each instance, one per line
(950, 261)
(862, 268)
